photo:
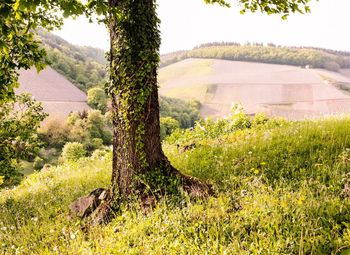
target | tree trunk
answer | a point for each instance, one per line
(139, 164)
(134, 60)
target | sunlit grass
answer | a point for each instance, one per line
(189, 68)
(280, 190)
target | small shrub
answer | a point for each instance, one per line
(73, 151)
(260, 119)
(55, 132)
(97, 99)
(167, 126)
(38, 163)
(96, 143)
(100, 153)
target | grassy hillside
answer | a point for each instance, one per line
(297, 56)
(82, 65)
(282, 188)
(279, 90)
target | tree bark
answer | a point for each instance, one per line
(134, 60)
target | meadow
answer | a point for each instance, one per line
(281, 187)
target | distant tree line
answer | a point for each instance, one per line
(270, 53)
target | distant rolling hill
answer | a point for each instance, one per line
(58, 95)
(271, 78)
(279, 90)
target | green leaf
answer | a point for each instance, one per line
(6, 49)
(16, 5)
(345, 252)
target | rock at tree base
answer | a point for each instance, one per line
(90, 205)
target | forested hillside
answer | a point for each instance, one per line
(82, 65)
(296, 56)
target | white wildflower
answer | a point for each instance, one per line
(72, 236)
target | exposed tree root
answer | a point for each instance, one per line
(96, 208)
(193, 186)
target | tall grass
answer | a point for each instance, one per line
(281, 189)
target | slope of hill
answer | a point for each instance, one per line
(83, 66)
(279, 90)
(276, 194)
(58, 95)
(297, 56)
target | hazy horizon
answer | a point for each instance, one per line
(198, 23)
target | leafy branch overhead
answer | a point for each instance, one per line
(268, 6)
(20, 18)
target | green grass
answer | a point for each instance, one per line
(27, 167)
(192, 68)
(197, 92)
(280, 190)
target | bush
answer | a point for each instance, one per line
(38, 163)
(73, 151)
(96, 143)
(19, 123)
(97, 99)
(211, 128)
(100, 153)
(167, 126)
(186, 113)
(55, 132)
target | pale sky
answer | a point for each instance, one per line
(187, 23)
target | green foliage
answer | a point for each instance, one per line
(186, 113)
(54, 132)
(97, 99)
(73, 152)
(89, 128)
(19, 122)
(38, 163)
(314, 57)
(84, 66)
(210, 128)
(97, 126)
(167, 126)
(96, 143)
(281, 189)
(19, 48)
(283, 7)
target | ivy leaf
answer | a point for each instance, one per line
(16, 5)
(6, 49)
(285, 16)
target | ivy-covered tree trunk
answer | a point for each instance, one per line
(134, 59)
